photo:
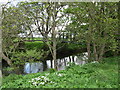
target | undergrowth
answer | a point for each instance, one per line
(91, 75)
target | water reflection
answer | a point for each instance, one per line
(33, 67)
(62, 63)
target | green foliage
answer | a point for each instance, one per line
(51, 70)
(34, 45)
(91, 75)
(8, 69)
(76, 46)
(70, 65)
(99, 28)
(19, 58)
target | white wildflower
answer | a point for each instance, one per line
(60, 75)
(47, 74)
(41, 80)
(52, 82)
(46, 79)
(34, 83)
(37, 78)
(42, 83)
(95, 62)
(42, 76)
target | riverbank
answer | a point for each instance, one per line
(92, 75)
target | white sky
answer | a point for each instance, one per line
(4, 1)
(13, 1)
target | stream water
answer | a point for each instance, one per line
(62, 63)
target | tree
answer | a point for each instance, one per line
(13, 24)
(46, 18)
(101, 26)
(0, 45)
(11, 29)
(104, 31)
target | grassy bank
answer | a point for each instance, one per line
(92, 75)
(63, 49)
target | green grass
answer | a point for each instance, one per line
(40, 44)
(92, 75)
(34, 45)
(75, 46)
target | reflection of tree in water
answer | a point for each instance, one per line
(33, 67)
(82, 56)
(79, 59)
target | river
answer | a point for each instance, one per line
(36, 67)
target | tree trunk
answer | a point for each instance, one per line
(64, 61)
(6, 59)
(67, 36)
(73, 59)
(59, 36)
(70, 36)
(44, 65)
(95, 52)
(54, 55)
(63, 36)
(54, 36)
(0, 45)
(54, 46)
(70, 59)
(101, 52)
(51, 63)
(88, 50)
(30, 68)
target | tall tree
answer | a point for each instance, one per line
(0, 45)
(101, 26)
(46, 18)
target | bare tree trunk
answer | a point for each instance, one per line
(54, 46)
(70, 59)
(59, 36)
(95, 52)
(54, 37)
(64, 61)
(70, 36)
(6, 59)
(63, 35)
(0, 45)
(44, 65)
(51, 63)
(73, 59)
(30, 67)
(90, 29)
(54, 54)
(101, 52)
(88, 50)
